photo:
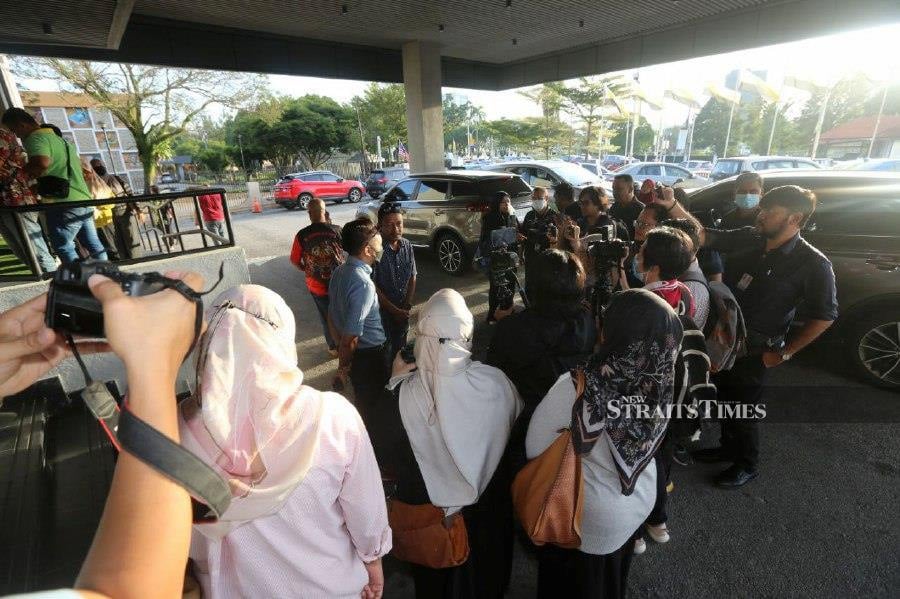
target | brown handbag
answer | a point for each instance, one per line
(423, 536)
(548, 492)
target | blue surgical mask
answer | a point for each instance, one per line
(640, 276)
(746, 200)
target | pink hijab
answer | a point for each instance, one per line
(251, 417)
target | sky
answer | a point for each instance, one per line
(875, 51)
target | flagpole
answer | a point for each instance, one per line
(690, 140)
(728, 131)
(772, 132)
(822, 110)
(877, 121)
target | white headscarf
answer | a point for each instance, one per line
(251, 417)
(458, 413)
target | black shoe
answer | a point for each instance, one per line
(712, 455)
(735, 476)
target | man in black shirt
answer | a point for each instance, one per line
(626, 207)
(534, 229)
(771, 271)
(564, 196)
(748, 188)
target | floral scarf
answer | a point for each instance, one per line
(634, 365)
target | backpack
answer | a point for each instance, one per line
(692, 384)
(725, 332)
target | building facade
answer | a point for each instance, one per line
(94, 131)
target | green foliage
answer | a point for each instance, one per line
(643, 141)
(382, 111)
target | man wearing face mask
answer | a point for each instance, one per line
(748, 189)
(534, 227)
(353, 313)
(771, 270)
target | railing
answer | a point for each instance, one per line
(143, 228)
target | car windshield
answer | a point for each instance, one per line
(575, 174)
(727, 167)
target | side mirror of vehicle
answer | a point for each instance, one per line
(341, 180)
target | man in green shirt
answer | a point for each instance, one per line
(50, 155)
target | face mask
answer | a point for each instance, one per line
(746, 200)
(538, 205)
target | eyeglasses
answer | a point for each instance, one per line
(642, 224)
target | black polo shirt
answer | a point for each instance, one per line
(627, 213)
(770, 286)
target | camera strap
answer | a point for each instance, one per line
(210, 493)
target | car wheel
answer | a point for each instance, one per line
(875, 348)
(355, 195)
(303, 200)
(451, 254)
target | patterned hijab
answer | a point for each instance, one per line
(636, 360)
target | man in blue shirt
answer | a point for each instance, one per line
(353, 313)
(395, 277)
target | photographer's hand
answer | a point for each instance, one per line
(28, 349)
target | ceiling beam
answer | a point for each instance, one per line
(121, 16)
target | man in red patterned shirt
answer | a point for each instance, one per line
(15, 190)
(317, 252)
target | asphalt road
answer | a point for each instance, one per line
(820, 521)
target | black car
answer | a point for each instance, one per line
(382, 179)
(857, 225)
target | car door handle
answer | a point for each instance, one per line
(438, 211)
(884, 263)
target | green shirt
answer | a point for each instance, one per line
(44, 142)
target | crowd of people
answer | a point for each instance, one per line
(421, 463)
(44, 168)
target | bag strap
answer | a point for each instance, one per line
(68, 157)
(579, 380)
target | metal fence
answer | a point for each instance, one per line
(132, 229)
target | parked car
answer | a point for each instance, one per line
(442, 211)
(547, 173)
(297, 189)
(727, 167)
(595, 167)
(614, 162)
(382, 179)
(166, 178)
(700, 168)
(661, 172)
(878, 165)
(857, 225)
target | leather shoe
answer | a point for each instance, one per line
(712, 455)
(735, 476)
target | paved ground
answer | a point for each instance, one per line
(821, 521)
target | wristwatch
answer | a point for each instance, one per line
(786, 357)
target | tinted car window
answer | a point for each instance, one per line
(402, 191)
(773, 164)
(726, 167)
(329, 177)
(486, 189)
(432, 190)
(653, 169)
(674, 171)
(312, 177)
(863, 212)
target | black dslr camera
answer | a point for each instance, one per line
(504, 283)
(607, 251)
(72, 308)
(540, 234)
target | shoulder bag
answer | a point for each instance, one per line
(548, 492)
(424, 536)
(56, 188)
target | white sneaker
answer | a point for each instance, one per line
(660, 533)
(640, 546)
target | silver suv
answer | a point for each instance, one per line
(727, 167)
(548, 173)
(442, 211)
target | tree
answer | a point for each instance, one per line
(548, 133)
(590, 101)
(213, 157)
(511, 134)
(313, 127)
(156, 104)
(382, 111)
(644, 136)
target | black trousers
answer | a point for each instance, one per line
(573, 574)
(395, 332)
(369, 373)
(663, 459)
(743, 384)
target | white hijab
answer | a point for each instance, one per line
(458, 413)
(251, 418)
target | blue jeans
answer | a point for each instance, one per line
(217, 227)
(66, 224)
(33, 233)
(321, 302)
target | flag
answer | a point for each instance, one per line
(761, 87)
(617, 102)
(803, 83)
(720, 92)
(402, 154)
(684, 96)
(653, 102)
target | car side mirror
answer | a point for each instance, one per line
(340, 180)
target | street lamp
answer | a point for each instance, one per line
(108, 149)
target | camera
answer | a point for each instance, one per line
(540, 233)
(504, 283)
(408, 352)
(72, 308)
(607, 251)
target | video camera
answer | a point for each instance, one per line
(504, 282)
(72, 308)
(607, 251)
(540, 234)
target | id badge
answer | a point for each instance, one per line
(745, 282)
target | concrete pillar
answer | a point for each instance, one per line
(424, 115)
(9, 95)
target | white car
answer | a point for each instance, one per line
(662, 172)
(548, 173)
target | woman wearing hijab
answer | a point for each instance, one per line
(443, 439)
(634, 363)
(500, 215)
(307, 516)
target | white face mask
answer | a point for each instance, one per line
(539, 205)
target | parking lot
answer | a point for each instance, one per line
(821, 520)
